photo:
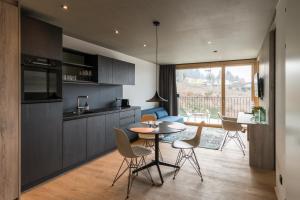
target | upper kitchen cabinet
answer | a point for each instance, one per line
(105, 70)
(116, 72)
(131, 73)
(79, 67)
(40, 39)
(123, 73)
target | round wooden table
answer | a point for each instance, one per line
(162, 128)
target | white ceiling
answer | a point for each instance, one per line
(235, 27)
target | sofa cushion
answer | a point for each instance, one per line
(172, 119)
(152, 110)
(161, 114)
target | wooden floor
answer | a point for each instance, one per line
(227, 175)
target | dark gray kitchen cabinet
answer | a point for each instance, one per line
(40, 39)
(119, 72)
(74, 142)
(112, 121)
(105, 70)
(95, 136)
(130, 74)
(127, 118)
(123, 73)
(41, 148)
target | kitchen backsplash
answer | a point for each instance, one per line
(100, 96)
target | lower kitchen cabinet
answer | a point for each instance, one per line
(127, 118)
(95, 136)
(74, 142)
(51, 145)
(41, 148)
(112, 121)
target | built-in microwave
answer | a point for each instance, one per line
(41, 79)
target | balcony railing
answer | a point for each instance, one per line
(195, 108)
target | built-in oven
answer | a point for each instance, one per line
(41, 79)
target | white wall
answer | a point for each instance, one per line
(292, 94)
(280, 99)
(144, 87)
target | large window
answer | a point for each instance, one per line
(238, 84)
(199, 93)
(223, 87)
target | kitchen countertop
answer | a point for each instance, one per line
(94, 112)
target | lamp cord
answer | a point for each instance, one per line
(156, 57)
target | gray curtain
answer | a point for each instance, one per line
(167, 88)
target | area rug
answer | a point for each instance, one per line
(211, 138)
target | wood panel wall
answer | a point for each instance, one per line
(9, 101)
(266, 61)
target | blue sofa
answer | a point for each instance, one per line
(162, 115)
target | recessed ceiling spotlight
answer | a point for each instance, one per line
(209, 42)
(145, 45)
(64, 6)
(215, 51)
(117, 32)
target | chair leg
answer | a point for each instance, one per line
(239, 143)
(129, 181)
(183, 157)
(148, 171)
(132, 164)
(177, 163)
(118, 175)
(224, 141)
(197, 164)
(241, 140)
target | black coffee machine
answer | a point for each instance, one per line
(124, 103)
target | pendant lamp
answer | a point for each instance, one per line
(156, 97)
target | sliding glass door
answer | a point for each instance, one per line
(200, 94)
(206, 90)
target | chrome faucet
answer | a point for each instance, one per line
(79, 108)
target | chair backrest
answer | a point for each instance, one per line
(229, 125)
(148, 117)
(195, 142)
(123, 144)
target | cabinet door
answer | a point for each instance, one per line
(112, 121)
(95, 136)
(123, 73)
(105, 70)
(41, 140)
(119, 69)
(74, 142)
(40, 39)
(130, 74)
